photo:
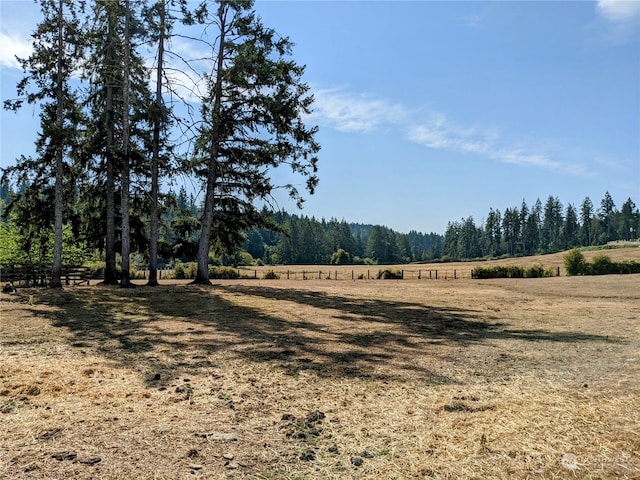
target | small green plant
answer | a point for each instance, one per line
(271, 275)
(388, 274)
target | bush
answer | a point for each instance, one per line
(538, 271)
(628, 267)
(183, 271)
(602, 265)
(575, 263)
(271, 275)
(388, 274)
(223, 273)
(179, 271)
(498, 271)
(340, 257)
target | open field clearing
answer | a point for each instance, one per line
(426, 271)
(257, 379)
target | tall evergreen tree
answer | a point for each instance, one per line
(159, 22)
(606, 214)
(57, 50)
(552, 225)
(493, 233)
(252, 120)
(125, 157)
(629, 223)
(571, 228)
(586, 220)
(511, 230)
(118, 100)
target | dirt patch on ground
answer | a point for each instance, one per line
(333, 379)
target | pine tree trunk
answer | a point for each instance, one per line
(110, 273)
(56, 274)
(125, 278)
(202, 275)
(154, 218)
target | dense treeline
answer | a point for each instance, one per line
(305, 240)
(541, 228)
(519, 231)
(294, 239)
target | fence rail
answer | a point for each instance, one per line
(356, 273)
(40, 275)
(77, 275)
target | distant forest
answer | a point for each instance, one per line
(298, 239)
(301, 240)
(518, 231)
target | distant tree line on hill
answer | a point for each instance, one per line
(541, 229)
(302, 240)
(298, 240)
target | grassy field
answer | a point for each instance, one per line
(446, 271)
(257, 379)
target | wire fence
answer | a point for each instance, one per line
(356, 273)
(73, 275)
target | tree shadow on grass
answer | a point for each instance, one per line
(190, 330)
(449, 324)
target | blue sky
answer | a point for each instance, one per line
(434, 111)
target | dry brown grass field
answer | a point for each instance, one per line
(446, 271)
(319, 379)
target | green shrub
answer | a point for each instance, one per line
(340, 257)
(179, 271)
(628, 266)
(575, 263)
(602, 265)
(184, 271)
(388, 274)
(538, 271)
(498, 271)
(223, 273)
(271, 275)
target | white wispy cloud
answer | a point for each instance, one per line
(347, 112)
(619, 10)
(439, 133)
(620, 21)
(353, 113)
(13, 45)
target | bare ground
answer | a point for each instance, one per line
(531, 378)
